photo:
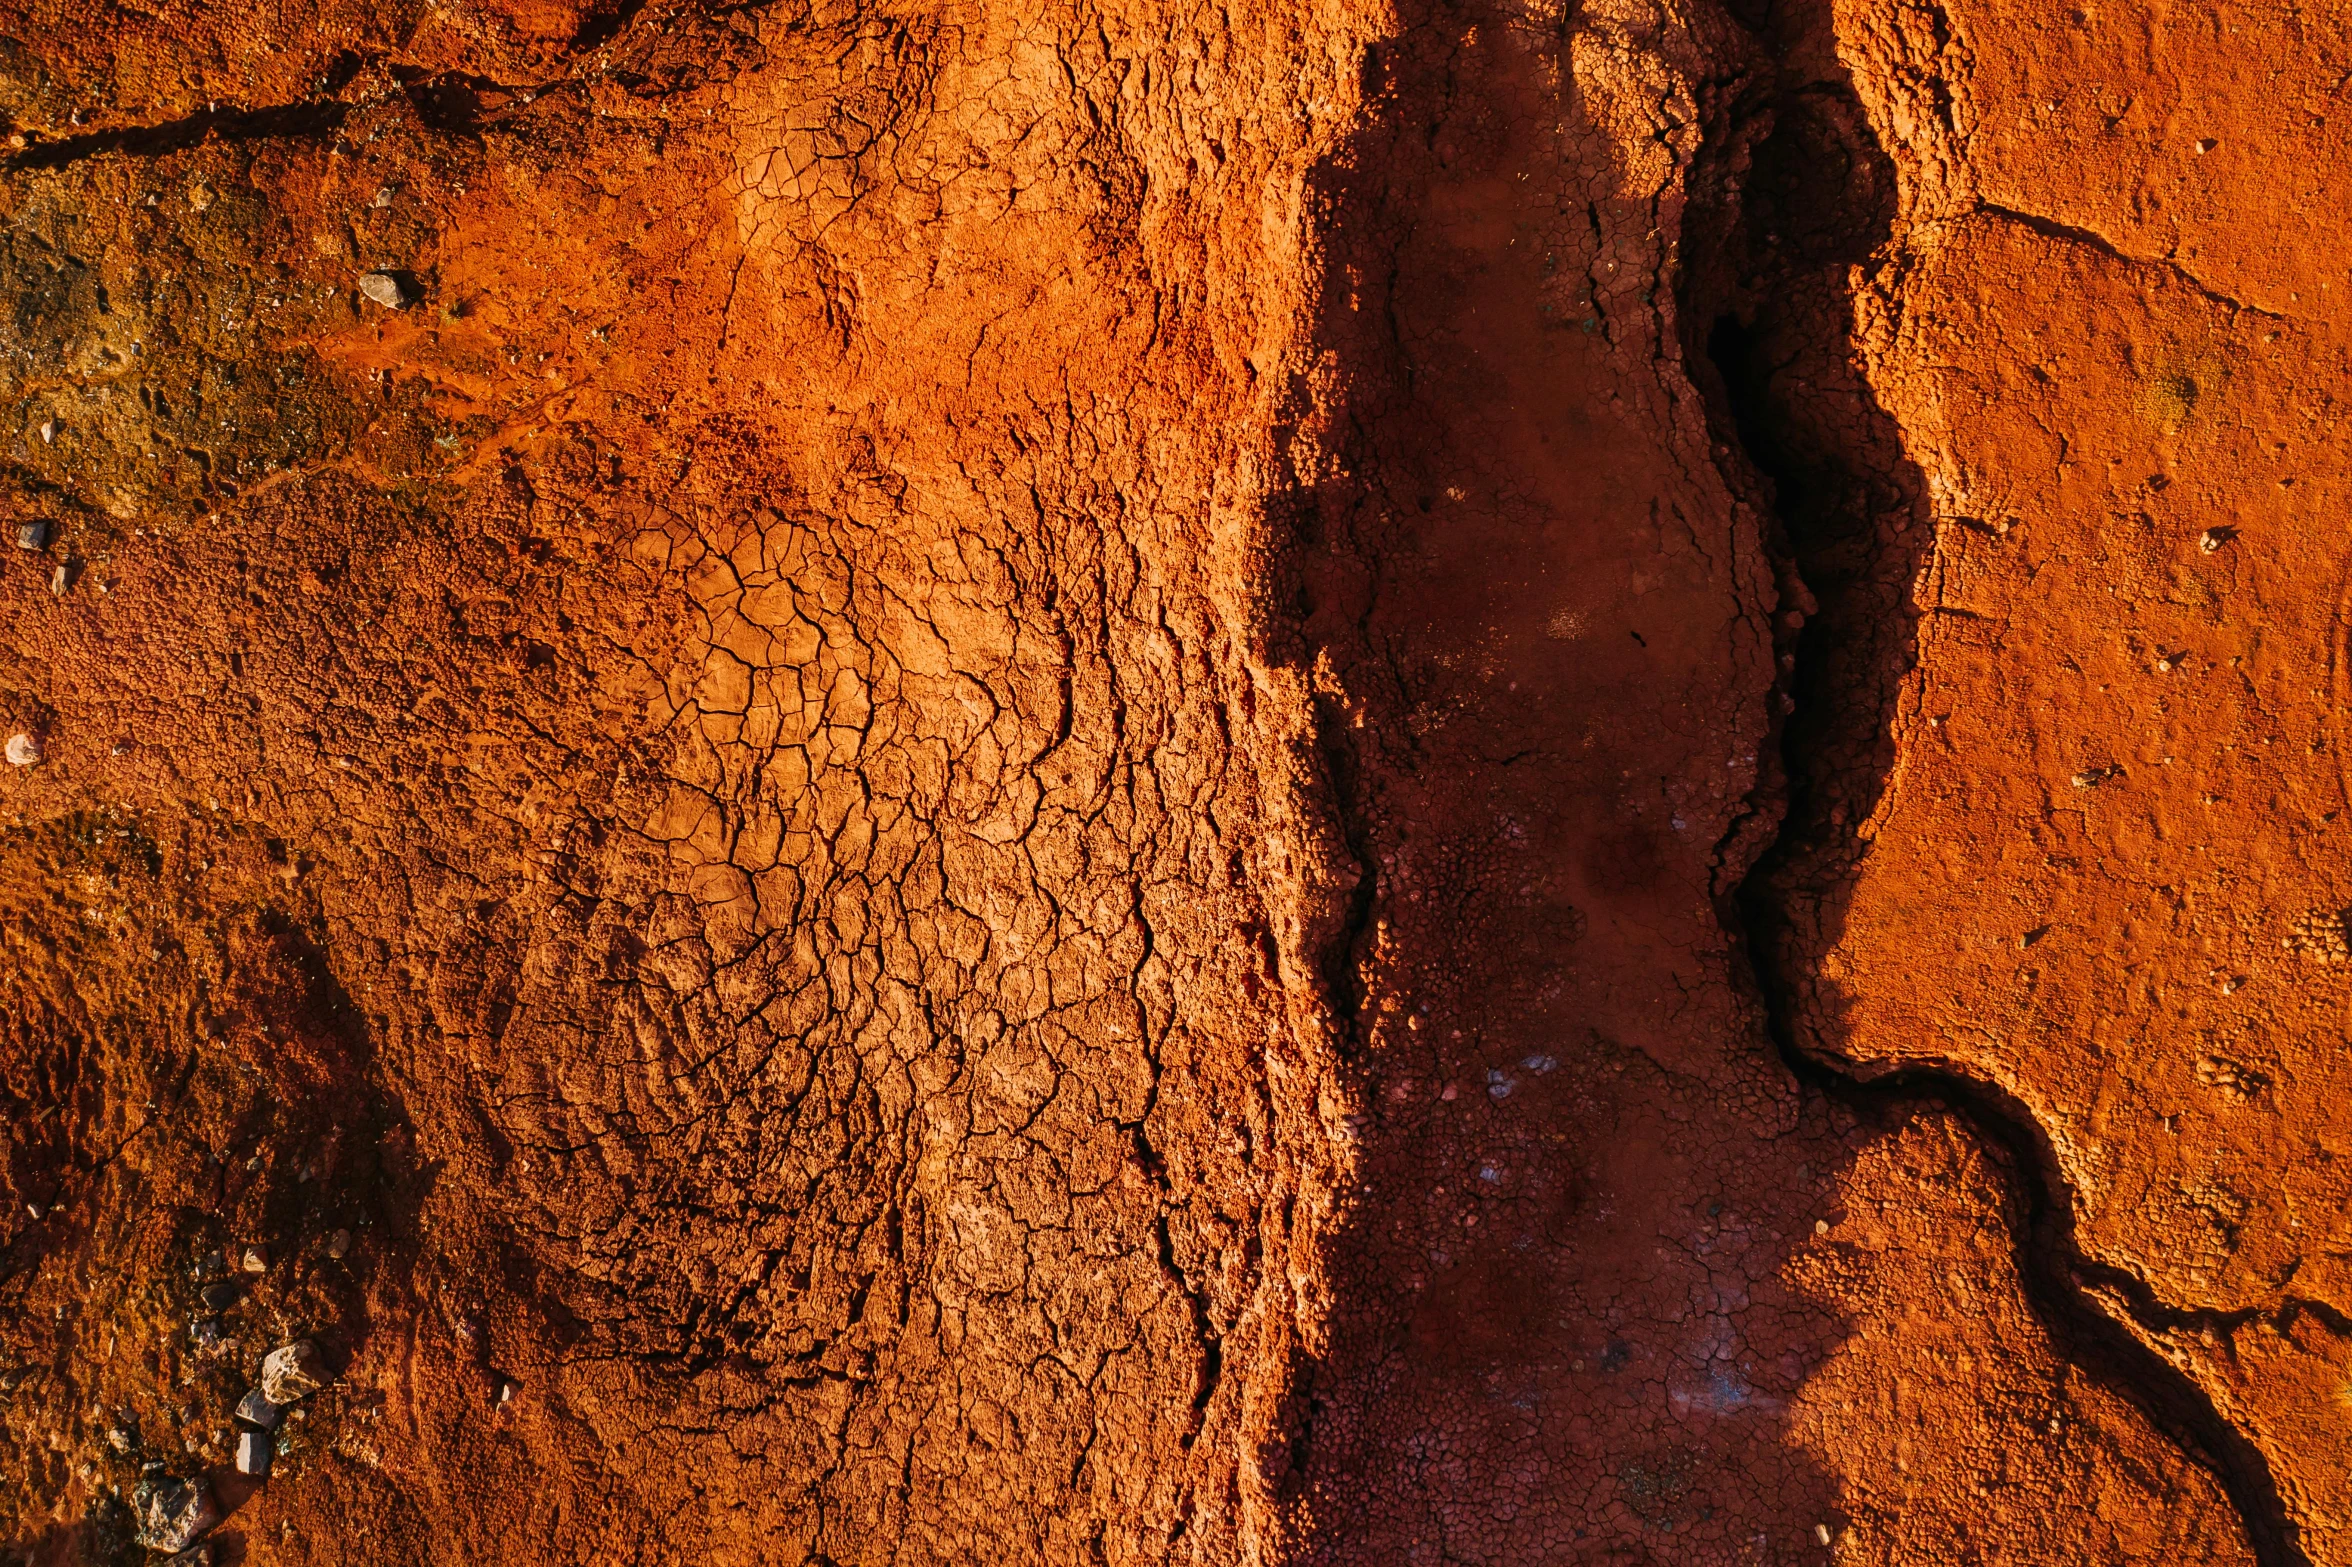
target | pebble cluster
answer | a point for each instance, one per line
(175, 1513)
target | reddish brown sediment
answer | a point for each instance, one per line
(1135, 784)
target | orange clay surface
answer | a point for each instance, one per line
(1140, 783)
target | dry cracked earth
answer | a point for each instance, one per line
(1341, 781)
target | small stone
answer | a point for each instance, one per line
(197, 1555)
(60, 578)
(385, 290)
(32, 534)
(1821, 1226)
(174, 1514)
(219, 1297)
(24, 750)
(1821, 1533)
(2214, 538)
(48, 431)
(294, 1372)
(339, 1244)
(256, 1260)
(253, 1453)
(208, 1334)
(255, 1409)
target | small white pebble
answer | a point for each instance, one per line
(1821, 1226)
(384, 289)
(1821, 1533)
(23, 749)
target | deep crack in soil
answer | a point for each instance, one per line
(1817, 196)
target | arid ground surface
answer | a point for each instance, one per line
(1313, 783)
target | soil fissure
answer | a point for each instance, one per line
(1785, 281)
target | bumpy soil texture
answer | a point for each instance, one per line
(1116, 782)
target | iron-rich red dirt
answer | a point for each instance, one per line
(1128, 784)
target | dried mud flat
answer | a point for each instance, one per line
(1135, 783)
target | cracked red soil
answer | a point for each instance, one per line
(1473, 783)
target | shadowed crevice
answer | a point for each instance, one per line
(1777, 310)
(279, 122)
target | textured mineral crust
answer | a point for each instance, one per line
(1314, 783)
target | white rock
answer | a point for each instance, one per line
(253, 1453)
(293, 1373)
(23, 749)
(384, 289)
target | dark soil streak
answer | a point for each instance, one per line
(296, 121)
